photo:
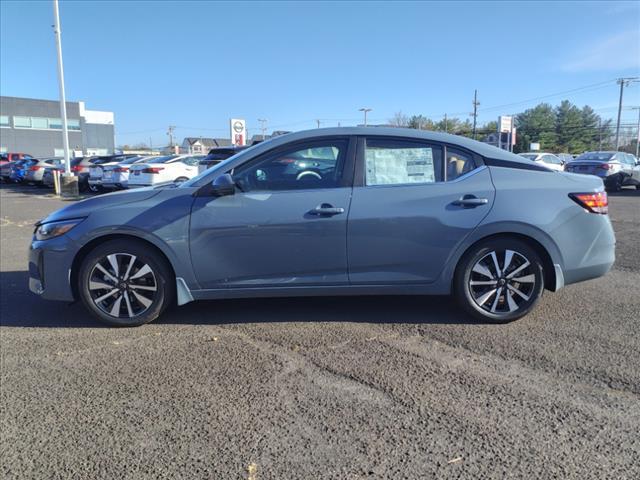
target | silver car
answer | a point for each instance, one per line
(340, 211)
(616, 169)
(35, 172)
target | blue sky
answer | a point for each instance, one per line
(196, 64)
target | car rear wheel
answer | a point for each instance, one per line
(615, 185)
(499, 280)
(124, 283)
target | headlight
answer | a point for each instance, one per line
(55, 229)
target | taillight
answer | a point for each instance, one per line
(605, 166)
(121, 169)
(34, 168)
(153, 170)
(593, 202)
(76, 168)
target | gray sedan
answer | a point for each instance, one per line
(342, 211)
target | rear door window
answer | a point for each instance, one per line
(401, 162)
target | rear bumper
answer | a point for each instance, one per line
(592, 258)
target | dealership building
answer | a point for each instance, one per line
(34, 126)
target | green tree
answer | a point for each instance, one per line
(570, 128)
(537, 124)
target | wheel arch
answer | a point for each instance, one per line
(95, 242)
(548, 261)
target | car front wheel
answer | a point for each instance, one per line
(125, 283)
(499, 280)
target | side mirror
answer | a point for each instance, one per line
(223, 185)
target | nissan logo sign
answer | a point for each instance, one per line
(238, 127)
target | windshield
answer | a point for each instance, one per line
(199, 179)
(598, 156)
(529, 156)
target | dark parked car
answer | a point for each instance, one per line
(361, 211)
(217, 155)
(616, 169)
(15, 171)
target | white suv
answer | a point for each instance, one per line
(163, 170)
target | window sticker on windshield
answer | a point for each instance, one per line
(386, 166)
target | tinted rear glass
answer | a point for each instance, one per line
(599, 156)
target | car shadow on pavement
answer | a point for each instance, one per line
(21, 308)
(625, 192)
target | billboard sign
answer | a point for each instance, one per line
(238, 132)
(505, 123)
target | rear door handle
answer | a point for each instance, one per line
(470, 201)
(326, 210)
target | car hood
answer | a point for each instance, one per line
(85, 207)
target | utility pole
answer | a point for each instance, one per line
(475, 111)
(446, 124)
(623, 82)
(150, 145)
(365, 110)
(170, 133)
(63, 100)
(263, 128)
(318, 123)
(599, 134)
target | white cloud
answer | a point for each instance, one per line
(617, 52)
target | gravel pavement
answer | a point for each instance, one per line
(341, 388)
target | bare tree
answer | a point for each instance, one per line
(399, 119)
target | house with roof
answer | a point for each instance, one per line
(202, 145)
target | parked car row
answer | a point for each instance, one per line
(114, 172)
(616, 169)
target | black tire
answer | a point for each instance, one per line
(615, 185)
(129, 290)
(180, 180)
(475, 298)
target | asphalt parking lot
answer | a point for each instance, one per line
(341, 388)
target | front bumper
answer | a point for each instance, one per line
(50, 268)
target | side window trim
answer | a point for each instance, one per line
(478, 161)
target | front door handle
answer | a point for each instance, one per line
(326, 210)
(470, 201)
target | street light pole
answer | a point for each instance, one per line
(365, 110)
(63, 100)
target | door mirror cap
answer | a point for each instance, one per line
(223, 186)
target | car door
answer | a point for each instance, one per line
(286, 224)
(410, 209)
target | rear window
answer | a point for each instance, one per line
(100, 161)
(599, 156)
(529, 156)
(164, 159)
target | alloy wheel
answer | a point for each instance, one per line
(502, 282)
(122, 286)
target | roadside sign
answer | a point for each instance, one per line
(505, 123)
(238, 132)
(534, 147)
